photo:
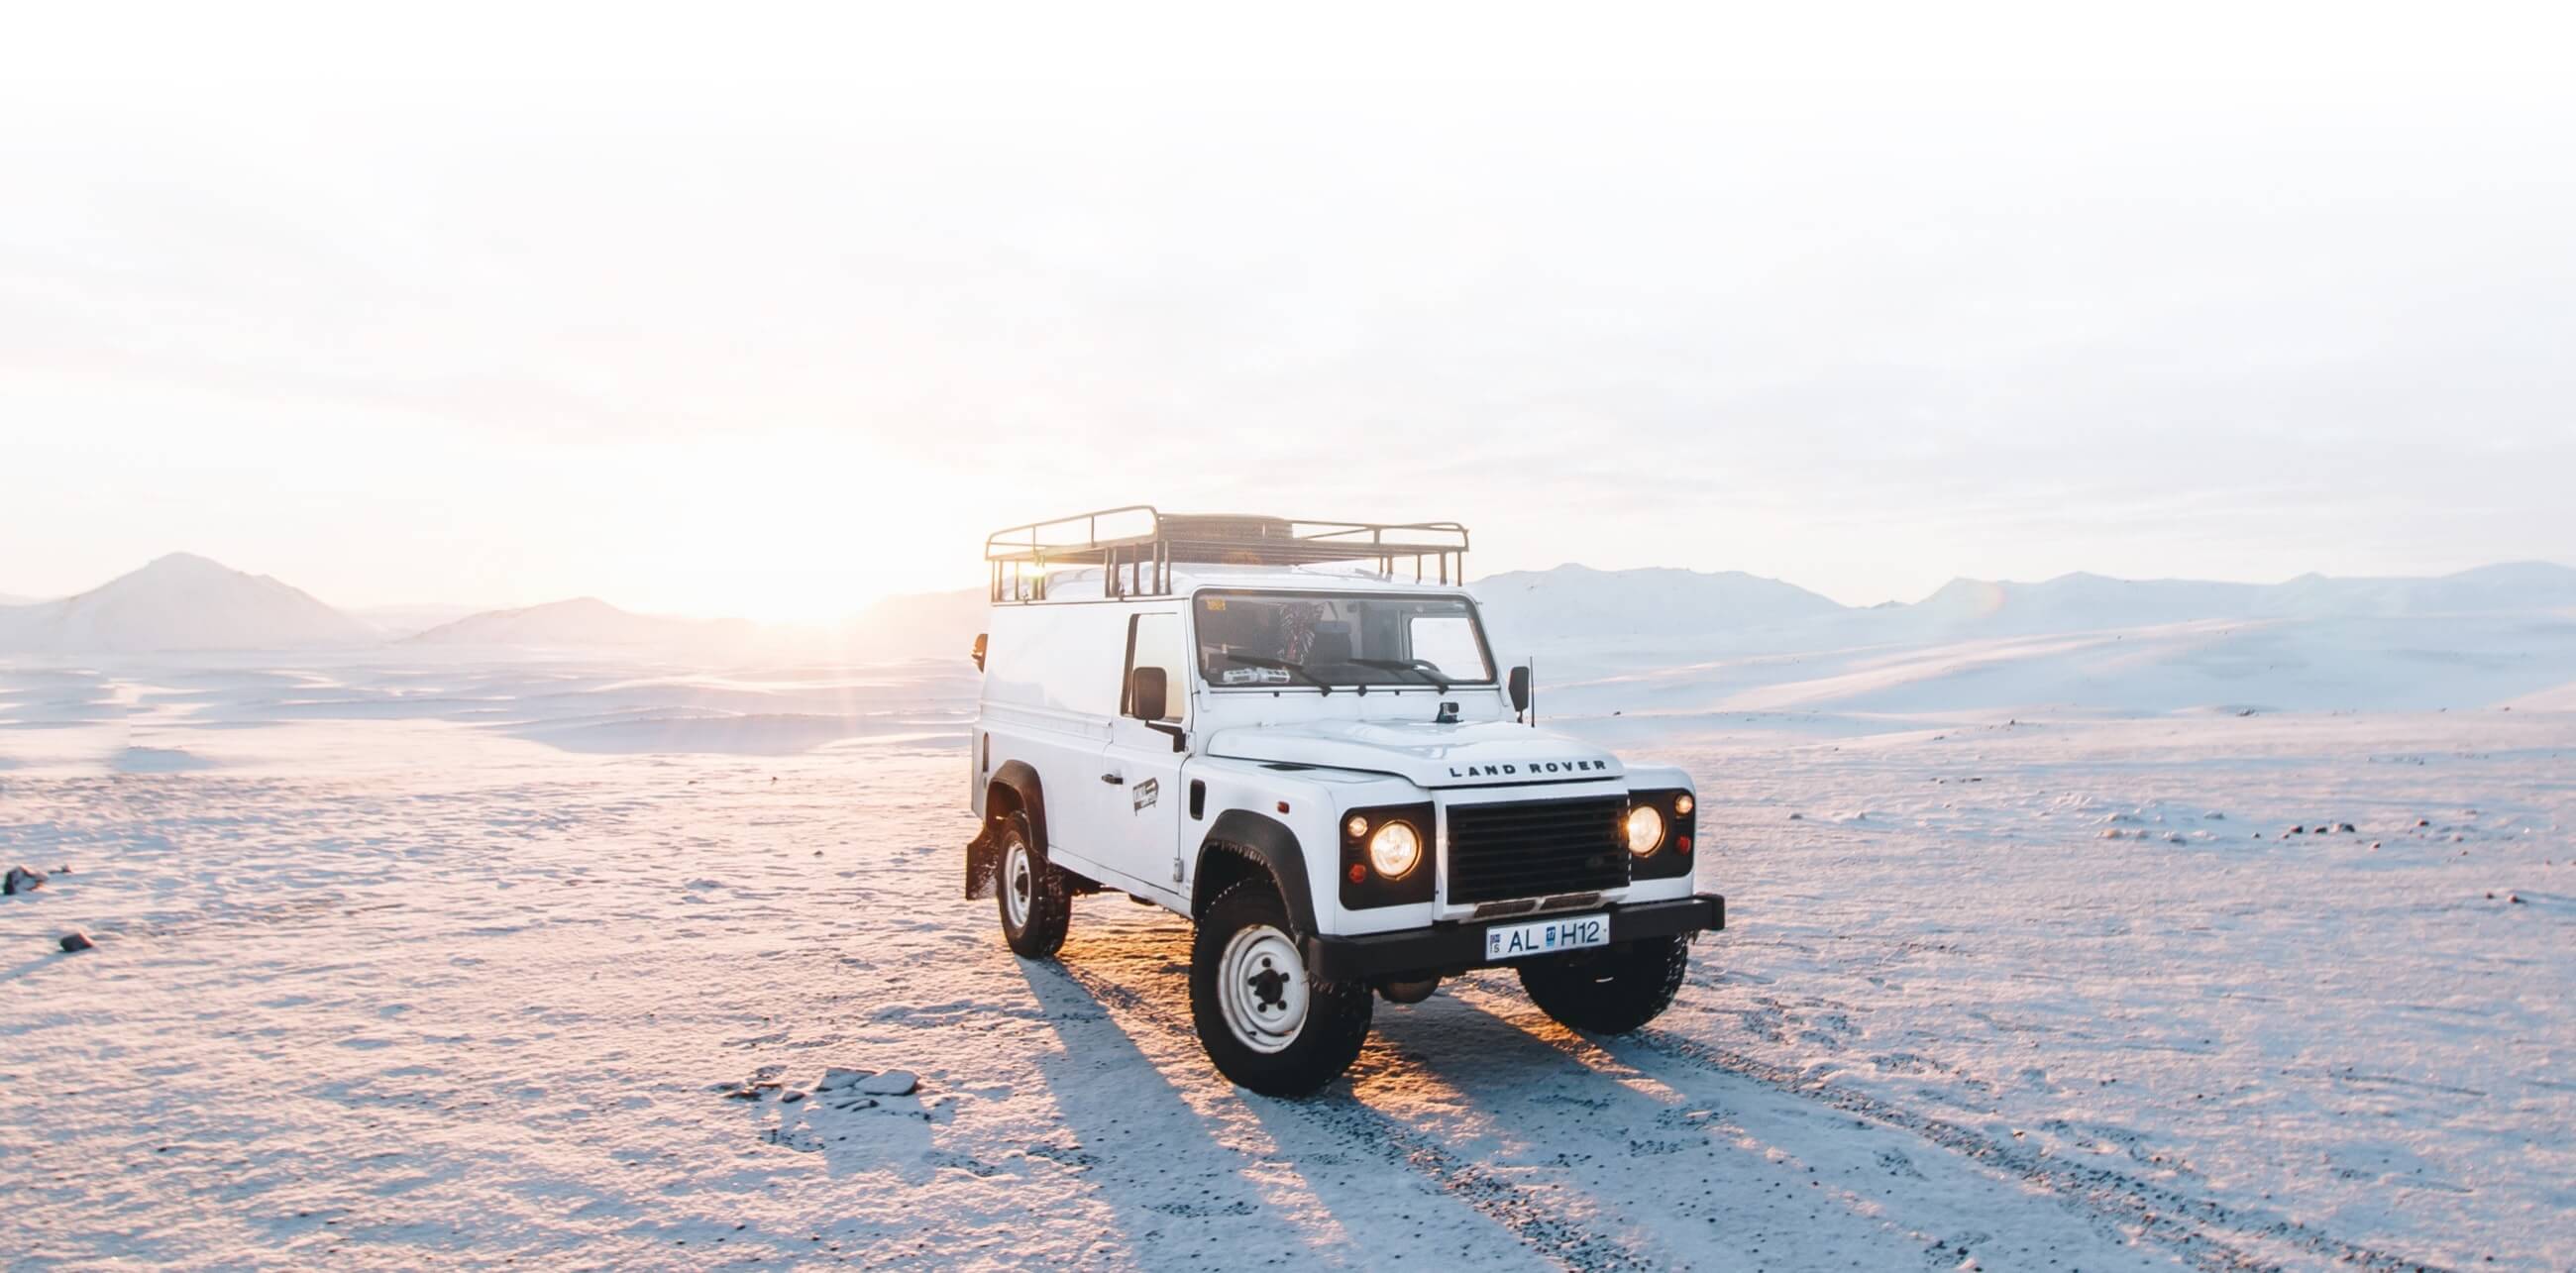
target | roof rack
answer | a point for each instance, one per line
(1135, 546)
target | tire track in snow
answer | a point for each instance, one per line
(1519, 1211)
(2165, 1216)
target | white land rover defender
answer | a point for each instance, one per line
(1254, 722)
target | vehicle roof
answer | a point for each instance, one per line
(1085, 585)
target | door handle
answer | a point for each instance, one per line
(1115, 780)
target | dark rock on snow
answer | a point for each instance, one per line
(22, 879)
(77, 940)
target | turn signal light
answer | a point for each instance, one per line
(1359, 873)
(1681, 844)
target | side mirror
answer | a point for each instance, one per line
(1148, 692)
(979, 651)
(1520, 688)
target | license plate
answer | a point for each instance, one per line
(1547, 936)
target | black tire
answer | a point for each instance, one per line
(1611, 991)
(1246, 926)
(1025, 882)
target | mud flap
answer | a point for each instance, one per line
(983, 861)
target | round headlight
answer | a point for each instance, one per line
(1683, 803)
(1356, 827)
(1645, 829)
(1395, 849)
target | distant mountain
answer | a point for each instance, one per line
(1637, 622)
(2499, 589)
(590, 622)
(2367, 662)
(2092, 603)
(179, 602)
(399, 621)
(1654, 617)
(1656, 605)
(2068, 603)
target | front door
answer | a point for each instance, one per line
(1140, 770)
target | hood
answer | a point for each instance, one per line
(1486, 753)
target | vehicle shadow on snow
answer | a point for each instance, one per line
(1467, 1104)
(1145, 1150)
(1401, 1107)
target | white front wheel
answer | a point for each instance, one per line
(1266, 1021)
(1261, 986)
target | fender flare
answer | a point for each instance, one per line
(1023, 781)
(1270, 843)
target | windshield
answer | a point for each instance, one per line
(1273, 640)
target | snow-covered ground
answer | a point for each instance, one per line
(412, 960)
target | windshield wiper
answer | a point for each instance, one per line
(1299, 669)
(1423, 668)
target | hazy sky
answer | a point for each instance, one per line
(772, 311)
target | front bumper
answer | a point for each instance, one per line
(1454, 947)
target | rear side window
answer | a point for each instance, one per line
(1060, 658)
(1154, 640)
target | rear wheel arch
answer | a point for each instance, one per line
(1016, 783)
(1013, 788)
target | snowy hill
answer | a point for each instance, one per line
(2340, 663)
(179, 602)
(1667, 640)
(2068, 603)
(1646, 640)
(399, 621)
(1577, 605)
(1675, 642)
(589, 622)
(2516, 586)
(2087, 602)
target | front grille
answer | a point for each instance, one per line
(1534, 848)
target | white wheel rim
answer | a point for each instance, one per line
(1018, 879)
(1261, 986)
